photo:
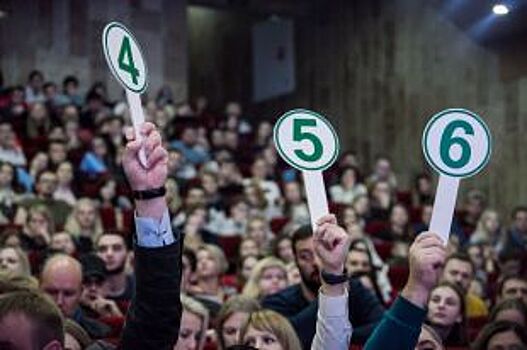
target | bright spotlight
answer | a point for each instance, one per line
(500, 9)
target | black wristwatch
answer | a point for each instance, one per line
(150, 194)
(332, 279)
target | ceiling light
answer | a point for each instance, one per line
(500, 9)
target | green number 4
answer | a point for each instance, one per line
(126, 59)
(447, 141)
(299, 135)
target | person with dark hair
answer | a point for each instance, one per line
(515, 239)
(9, 192)
(92, 299)
(460, 270)
(298, 302)
(512, 286)
(501, 335)
(348, 187)
(423, 191)
(112, 248)
(190, 264)
(70, 90)
(34, 88)
(30, 320)
(281, 247)
(446, 313)
(188, 145)
(513, 310)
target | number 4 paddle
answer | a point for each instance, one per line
(307, 141)
(124, 57)
(457, 144)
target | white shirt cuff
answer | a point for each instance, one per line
(151, 233)
(333, 306)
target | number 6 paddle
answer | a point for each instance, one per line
(124, 57)
(457, 144)
(307, 141)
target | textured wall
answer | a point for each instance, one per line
(380, 69)
(62, 37)
(219, 55)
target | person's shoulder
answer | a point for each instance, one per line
(286, 296)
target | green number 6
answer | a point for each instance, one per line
(447, 141)
(299, 135)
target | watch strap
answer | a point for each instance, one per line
(332, 279)
(150, 193)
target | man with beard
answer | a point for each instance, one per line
(299, 302)
(119, 285)
(460, 270)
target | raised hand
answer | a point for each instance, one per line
(155, 173)
(426, 258)
(331, 243)
(151, 176)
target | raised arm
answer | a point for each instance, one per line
(154, 315)
(331, 244)
(401, 325)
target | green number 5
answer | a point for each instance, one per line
(299, 135)
(125, 54)
(447, 141)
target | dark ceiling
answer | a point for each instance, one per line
(476, 18)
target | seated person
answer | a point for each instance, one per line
(446, 314)
(267, 329)
(460, 270)
(298, 302)
(232, 316)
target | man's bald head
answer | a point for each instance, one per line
(61, 279)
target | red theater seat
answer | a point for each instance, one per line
(398, 276)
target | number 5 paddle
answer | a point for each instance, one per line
(124, 57)
(457, 144)
(307, 141)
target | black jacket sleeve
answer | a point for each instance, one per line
(154, 315)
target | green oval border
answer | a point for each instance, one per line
(106, 31)
(434, 119)
(313, 114)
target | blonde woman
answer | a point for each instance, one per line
(232, 316)
(488, 230)
(268, 330)
(194, 324)
(14, 260)
(269, 276)
(211, 265)
(84, 220)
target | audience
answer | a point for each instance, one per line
(66, 216)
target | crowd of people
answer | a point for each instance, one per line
(75, 249)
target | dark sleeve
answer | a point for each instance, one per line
(280, 303)
(399, 328)
(365, 311)
(154, 315)
(305, 324)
